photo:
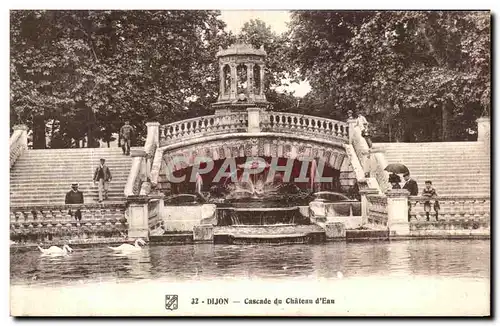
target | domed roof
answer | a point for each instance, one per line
(241, 49)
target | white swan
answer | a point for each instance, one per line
(54, 250)
(129, 247)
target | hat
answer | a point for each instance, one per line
(394, 178)
(74, 184)
(102, 159)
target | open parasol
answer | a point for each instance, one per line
(397, 168)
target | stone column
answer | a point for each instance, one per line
(262, 72)
(253, 119)
(232, 94)
(222, 80)
(483, 129)
(137, 217)
(364, 203)
(397, 212)
(250, 80)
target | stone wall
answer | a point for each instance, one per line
(185, 218)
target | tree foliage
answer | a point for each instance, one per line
(417, 75)
(91, 70)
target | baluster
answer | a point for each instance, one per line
(294, 123)
(197, 126)
(322, 126)
(301, 123)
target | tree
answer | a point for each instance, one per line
(90, 70)
(418, 76)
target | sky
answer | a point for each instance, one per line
(277, 20)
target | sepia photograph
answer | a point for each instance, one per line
(250, 163)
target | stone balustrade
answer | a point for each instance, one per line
(269, 122)
(18, 143)
(304, 124)
(377, 211)
(201, 126)
(452, 208)
(40, 222)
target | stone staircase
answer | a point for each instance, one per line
(455, 168)
(42, 177)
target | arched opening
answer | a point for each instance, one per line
(227, 80)
(256, 79)
(241, 79)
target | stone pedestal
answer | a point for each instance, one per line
(334, 230)
(203, 233)
(253, 119)
(364, 203)
(397, 211)
(352, 125)
(483, 129)
(317, 211)
(153, 132)
(138, 217)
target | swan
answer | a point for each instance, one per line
(54, 250)
(12, 242)
(129, 247)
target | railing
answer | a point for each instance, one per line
(378, 164)
(377, 210)
(207, 125)
(136, 177)
(18, 143)
(55, 220)
(358, 169)
(452, 208)
(304, 124)
(360, 147)
(371, 160)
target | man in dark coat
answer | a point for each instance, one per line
(74, 196)
(412, 187)
(102, 175)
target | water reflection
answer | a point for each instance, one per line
(207, 261)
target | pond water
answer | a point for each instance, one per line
(432, 258)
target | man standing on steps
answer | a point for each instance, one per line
(74, 196)
(126, 132)
(412, 186)
(103, 176)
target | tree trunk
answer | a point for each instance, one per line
(39, 141)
